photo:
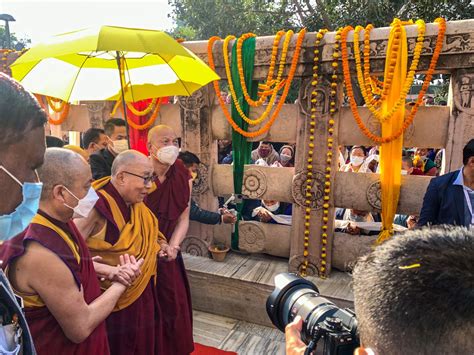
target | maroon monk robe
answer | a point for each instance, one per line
(167, 202)
(135, 329)
(48, 337)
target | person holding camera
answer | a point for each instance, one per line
(412, 295)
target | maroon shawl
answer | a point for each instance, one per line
(168, 202)
(47, 334)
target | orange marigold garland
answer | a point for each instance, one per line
(145, 112)
(286, 88)
(62, 116)
(408, 121)
(309, 178)
(273, 98)
(148, 123)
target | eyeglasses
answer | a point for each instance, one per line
(146, 179)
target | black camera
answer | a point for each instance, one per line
(322, 319)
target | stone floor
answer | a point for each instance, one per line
(239, 336)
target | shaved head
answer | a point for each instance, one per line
(160, 131)
(132, 174)
(61, 167)
(127, 159)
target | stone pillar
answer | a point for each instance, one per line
(461, 128)
(301, 170)
(195, 113)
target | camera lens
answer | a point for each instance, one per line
(294, 296)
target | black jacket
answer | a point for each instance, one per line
(101, 163)
(203, 216)
(443, 202)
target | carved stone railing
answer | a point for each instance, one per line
(200, 122)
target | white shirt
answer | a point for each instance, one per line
(460, 181)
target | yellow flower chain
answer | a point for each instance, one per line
(269, 108)
(286, 88)
(309, 178)
(146, 111)
(267, 91)
(366, 82)
(52, 103)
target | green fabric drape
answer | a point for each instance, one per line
(241, 148)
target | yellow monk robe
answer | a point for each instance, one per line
(129, 230)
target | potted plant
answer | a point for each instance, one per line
(218, 251)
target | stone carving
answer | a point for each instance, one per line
(193, 102)
(304, 99)
(296, 262)
(96, 117)
(464, 92)
(373, 125)
(254, 184)
(251, 237)
(201, 184)
(458, 43)
(194, 246)
(298, 189)
(374, 195)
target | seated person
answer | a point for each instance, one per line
(357, 159)
(427, 276)
(271, 211)
(346, 221)
(266, 152)
(287, 157)
(51, 268)
(425, 164)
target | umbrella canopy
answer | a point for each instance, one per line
(84, 65)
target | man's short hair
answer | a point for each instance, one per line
(189, 158)
(109, 126)
(92, 135)
(19, 111)
(408, 160)
(468, 151)
(414, 294)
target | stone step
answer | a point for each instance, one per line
(238, 288)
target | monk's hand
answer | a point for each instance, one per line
(294, 344)
(173, 252)
(163, 253)
(136, 265)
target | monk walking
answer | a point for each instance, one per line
(170, 201)
(51, 268)
(122, 223)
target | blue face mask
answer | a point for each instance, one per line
(16, 222)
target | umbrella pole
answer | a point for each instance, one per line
(124, 105)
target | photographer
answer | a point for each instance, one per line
(413, 295)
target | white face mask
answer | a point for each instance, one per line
(357, 161)
(85, 205)
(404, 172)
(167, 155)
(273, 207)
(120, 146)
(285, 158)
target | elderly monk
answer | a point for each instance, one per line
(51, 268)
(170, 201)
(121, 222)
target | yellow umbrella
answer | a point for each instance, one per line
(85, 65)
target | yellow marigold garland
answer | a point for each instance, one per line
(347, 80)
(146, 111)
(366, 82)
(147, 124)
(286, 88)
(267, 91)
(52, 103)
(310, 178)
(235, 99)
